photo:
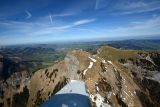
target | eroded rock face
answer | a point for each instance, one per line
(152, 87)
(9, 67)
(5, 66)
(12, 86)
(72, 66)
(146, 72)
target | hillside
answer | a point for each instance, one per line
(114, 77)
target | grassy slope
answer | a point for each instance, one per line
(113, 54)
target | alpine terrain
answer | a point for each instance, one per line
(113, 78)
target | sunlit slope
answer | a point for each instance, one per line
(114, 54)
(138, 68)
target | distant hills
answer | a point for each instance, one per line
(136, 44)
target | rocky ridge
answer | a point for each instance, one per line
(114, 78)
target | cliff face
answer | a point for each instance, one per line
(9, 89)
(117, 78)
(5, 66)
(9, 67)
(146, 72)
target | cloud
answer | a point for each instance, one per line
(97, 4)
(74, 24)
(84, 21)
(63, 14)
(64, 27)
(148, 27)
(31, 29)
(151, 23)
(50, 17)
(11, 9)
(29, 15)
(128, 7)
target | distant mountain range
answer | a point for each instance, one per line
(137, 44)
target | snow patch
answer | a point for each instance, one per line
(84, 72)
(124, 99)
(99, 100)
(103, 61)
(97, 88)
(92, 59)
(90, 65)
(110, 62)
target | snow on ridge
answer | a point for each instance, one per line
(97, 88)
(103, 61)
(94, 60)
(84, 72)
(99, 100)
(90, 65)
(110, 62)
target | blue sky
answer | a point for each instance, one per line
(43, 21)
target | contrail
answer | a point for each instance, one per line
(50, 17)
(29, 15)
(97, 4)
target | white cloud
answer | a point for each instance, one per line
(50, 17)
(64, 27)
(43, 27)
(130, 7)
(63, 14)
(152, 23)
(148, 27)
(85, 21)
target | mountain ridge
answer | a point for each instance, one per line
(120, 77)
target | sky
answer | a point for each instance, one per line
(43, 21)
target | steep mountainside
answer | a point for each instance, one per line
(114, 78)
(9, 67)
(142, 67)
